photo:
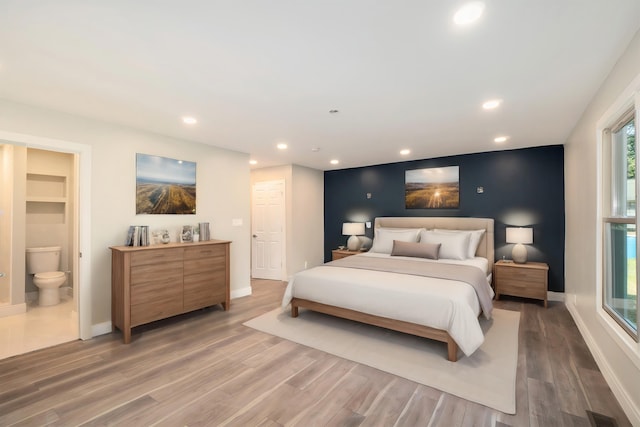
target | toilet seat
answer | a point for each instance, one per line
(49, 275)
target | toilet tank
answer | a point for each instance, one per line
(40, 260)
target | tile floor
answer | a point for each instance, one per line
(38, 328)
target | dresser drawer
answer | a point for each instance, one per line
(521, 274)
(523, 289)
(203, 265)
(157, 256)
(155, 310)
(157, 273)
(203, 291)
(207, 251)
(157, 289)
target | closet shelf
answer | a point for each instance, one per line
(43, 199)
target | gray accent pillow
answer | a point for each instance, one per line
(417, 250)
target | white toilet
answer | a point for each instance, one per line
(44, 263)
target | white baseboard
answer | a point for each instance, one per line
(100, 329)
(555, 296)
(12, 309)
(243, 292)
(627, 404)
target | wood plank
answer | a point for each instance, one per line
(207, 368)
(420, 407)
(543, 410)
(390, 404)
(330, 404)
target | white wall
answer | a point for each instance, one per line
(581, 151)
(308, 219)
(223, 189)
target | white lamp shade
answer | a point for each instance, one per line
(520, 235)
(353, 228)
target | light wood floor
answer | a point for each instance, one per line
(206, 368)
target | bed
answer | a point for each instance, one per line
(426, 276)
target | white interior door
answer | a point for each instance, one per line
(268, 225)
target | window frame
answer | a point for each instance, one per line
(612, 118)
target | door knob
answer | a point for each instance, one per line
(254, 236)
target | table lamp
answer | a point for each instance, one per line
(353, 229)
(520, 236)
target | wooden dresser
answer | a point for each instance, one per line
(150, 283)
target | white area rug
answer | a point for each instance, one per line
(488, 377)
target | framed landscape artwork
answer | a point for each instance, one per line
(432, 188)
(165, 186)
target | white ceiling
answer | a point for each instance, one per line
(256, 73)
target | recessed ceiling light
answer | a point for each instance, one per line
(405, 152)
(189, 120)
(469, 13)
(491, 104)
(334, 162)
(315, 149)
(500, 139)
(253, 162)
(282, 146)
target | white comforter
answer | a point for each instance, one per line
(438, 303)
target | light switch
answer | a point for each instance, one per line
(236, 222)
(368, 195)
(480, 190)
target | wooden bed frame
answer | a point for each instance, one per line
(485, 249)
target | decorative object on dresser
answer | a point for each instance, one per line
(528, 280)
(161, 236)
(520, 236)
(205, 233)
(187, 234)
(353, 229)
(155, 282)
(138, 235)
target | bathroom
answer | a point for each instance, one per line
(37, 210)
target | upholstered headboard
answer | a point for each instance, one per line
(485, 248)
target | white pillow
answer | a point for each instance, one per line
(474, 239)
(384, 237)
(453, 245)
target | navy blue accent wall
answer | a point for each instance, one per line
(520, 188)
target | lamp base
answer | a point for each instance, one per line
(519, 254)
(354, 243)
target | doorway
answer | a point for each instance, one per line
(14, 240)
(268, 230)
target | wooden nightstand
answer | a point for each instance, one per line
(528, 280)
(342, 253)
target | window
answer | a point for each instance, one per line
(620, 290)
